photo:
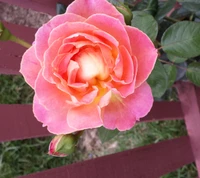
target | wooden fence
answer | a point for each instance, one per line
(150, 161)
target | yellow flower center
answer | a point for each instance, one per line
(92, 66)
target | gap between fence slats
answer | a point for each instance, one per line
(45, 6)
(190, 100)
(144, 162)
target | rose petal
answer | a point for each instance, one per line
(145, 52)
(105, 99)
(90, 96)
(55, 120)
(56, 62)
(50, 96)
(107, 56)
(84, 117)
(112, 26)
(79, 39)
(123, 113)
(70, 28)
(128, 88)
(42, 35)
(124, 66)
(72, 70)
(49, 56)
(69, 31)
(124, 73)
(94, 7)
(108, 39)
(30, 66)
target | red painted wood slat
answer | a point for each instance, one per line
(45, 6)
(190, 99)
(150, 161)
(10, 52)
(165, 110)
(19, 122)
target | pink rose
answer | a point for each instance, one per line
(89, 69)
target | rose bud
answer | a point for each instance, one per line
(4, 33)
(126, 12)
(63, 145)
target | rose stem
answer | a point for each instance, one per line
(171, 19)
(167, 62)
(19, 41)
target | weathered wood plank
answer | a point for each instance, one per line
(190, 100)
(21, 123)
(165, 110)
(45, 6)
(150, 161)
(10, 52)
(18, 122)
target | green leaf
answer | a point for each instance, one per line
(164, 9)
(193, 73)
(194, 7)
(182, 39)
(180, 13)
(176, 59)
(198, 14)
(106, 134)
(171, 73)
(152, 7)
(158, 80)
(146, 23)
